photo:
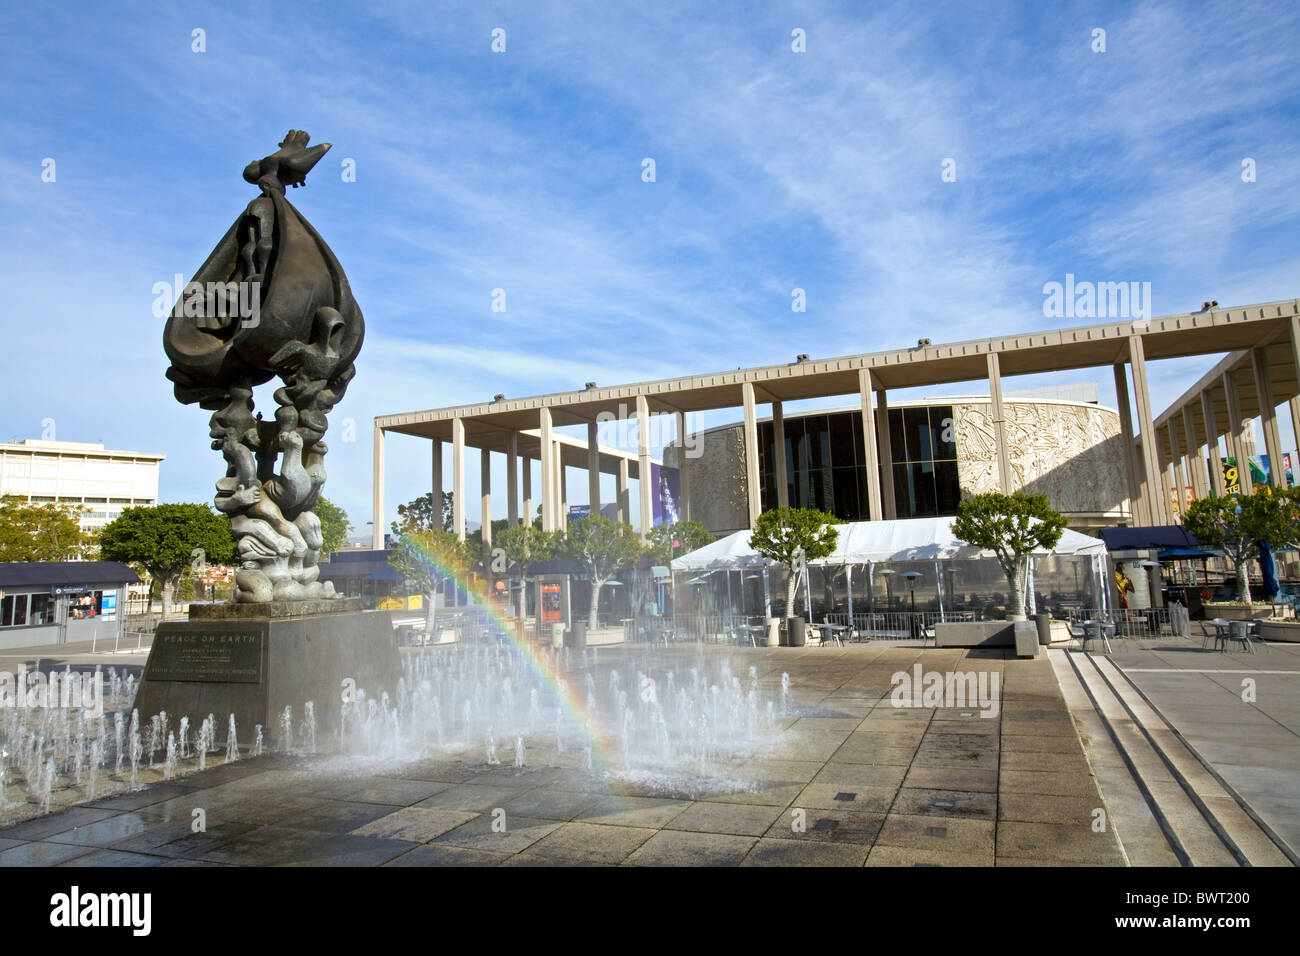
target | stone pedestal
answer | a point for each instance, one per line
(254, 667)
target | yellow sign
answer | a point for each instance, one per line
(391, 604)
(415, 602)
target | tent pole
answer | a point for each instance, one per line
(848, 584)
(938, 584)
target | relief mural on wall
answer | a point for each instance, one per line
(719, 489)
(1071, 453)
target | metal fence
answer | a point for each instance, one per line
(1127, 622)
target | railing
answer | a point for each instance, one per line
(1127, 622)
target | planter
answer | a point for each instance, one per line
(773, 632)
(1239, 612)
(1288, 631)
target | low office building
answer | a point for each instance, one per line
(62, 602)
(102, 481)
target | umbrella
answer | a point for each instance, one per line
(1267, 571)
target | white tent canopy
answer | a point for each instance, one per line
(862, 542)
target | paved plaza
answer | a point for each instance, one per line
(850, 779)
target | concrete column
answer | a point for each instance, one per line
(1295, 402)
(1268, 418)
(751, 453)
(560, 489)
(548, 472)
(1157, 502)
(871, 462)
(458, 477)
(593, 468)
(1238, 446)
(512, 479)
(377, 502)
(1195, 461)
(778, 440)
(684, 510)
(1179, 472)
(888, 502)
(1137, 500)
(1171, 485)
(435, 484)
(528, 490)
(1295, 420)
(1212, 443)
(624, 494)
(644, 483)
(1000, 425)
(485, 490)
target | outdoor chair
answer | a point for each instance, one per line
(1239, 631)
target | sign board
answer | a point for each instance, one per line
(108, 604)
(552, 595)
(233, 656)
(578, 511)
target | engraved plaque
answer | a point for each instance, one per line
(210, 656)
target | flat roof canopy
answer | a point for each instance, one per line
(488, 424)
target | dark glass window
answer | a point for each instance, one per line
(766, 447)
(916, 428)
(846, 494)
(904, 507)
(842, 450)
(946, 487)
(945, 433)
(922, 492)
(897, 444)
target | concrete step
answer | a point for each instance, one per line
(1196, 839)
(1215, 798)
(1141, 839)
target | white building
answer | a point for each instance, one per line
(103, 481)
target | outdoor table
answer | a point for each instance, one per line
(836, 632)
(1093, 629)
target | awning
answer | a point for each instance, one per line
(863, 542)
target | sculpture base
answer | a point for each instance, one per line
(256, 667)
(274, 609)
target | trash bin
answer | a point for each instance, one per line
(797, 635)
(577, 636)
(1044, 621)
(557, 635)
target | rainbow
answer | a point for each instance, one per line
(574, 709)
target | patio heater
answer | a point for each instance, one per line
(911, 577)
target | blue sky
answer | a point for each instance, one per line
(522, 170)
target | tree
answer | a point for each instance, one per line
(602, 547)
(1012, 527)
(40, 532)
(526, 545)
(418, 515)
(668, 541)
(334, 526)
(425, 558)
(793, 537)
(168, 539)
(1238, 523)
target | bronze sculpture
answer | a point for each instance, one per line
(271, 300)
